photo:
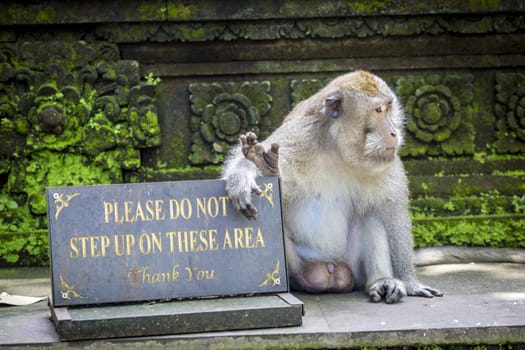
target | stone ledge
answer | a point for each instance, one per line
(484, 304)
(60, 12)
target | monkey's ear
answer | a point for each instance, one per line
(333, 105)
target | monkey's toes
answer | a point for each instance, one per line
(391, 289)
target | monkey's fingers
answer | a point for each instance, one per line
(244, 139)
(273, 155)
(424, 291)
(243, 203)
(391, 289)
(251, 138)
(267, 162)
(375, 295)
(249, 152)
(250, 212)
(250, 147)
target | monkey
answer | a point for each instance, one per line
(344, 190)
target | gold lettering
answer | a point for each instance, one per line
(157, 242)
(174, 209)
(93, 240)
(223, 200)
(212, 239)
(150, 210)
(108, 209)
(238, 235)
(248, 236)
(193, 241)
(183, 241)
(259, 241)
(127, 241)
(213, 207)
(83, 240)
(139, 213)
(201, 207)
(243, 238)
(74, 253)
(171, 236)
(145, 248)
(186, 209)
(159, 206)
(104, 240)
(127, 211)
(117, 248)
(227, 244)
(130, 242)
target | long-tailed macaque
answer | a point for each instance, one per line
(344, 190)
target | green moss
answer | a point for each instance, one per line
(485, 4)
(28, 249)
(180, 11)
(481, 231)
(44, 14)
(368, 7)
(172, 174)
(178, 151)
(151, 12)
(191, 33)
(48, 168)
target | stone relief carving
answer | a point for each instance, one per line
(510, 112)
(438, 118)
(73, 110)
(221, 112)
(312, 28)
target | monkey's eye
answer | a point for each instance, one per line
(379, 109)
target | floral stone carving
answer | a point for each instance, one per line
(71, 113)
(324, 28)
(221, 112)
(304, 88)
(510, 112)
(438, 118)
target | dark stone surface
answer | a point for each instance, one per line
(178, 317)
(484, 304)
(150, 241)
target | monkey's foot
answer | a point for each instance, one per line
(419, 290)
(391, 289)
(266, 162)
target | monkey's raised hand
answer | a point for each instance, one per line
(266, 162)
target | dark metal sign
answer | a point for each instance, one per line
(151, 241)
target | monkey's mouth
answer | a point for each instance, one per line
(387, 153)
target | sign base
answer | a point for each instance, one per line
(177, 317)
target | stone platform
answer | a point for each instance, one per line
(484, 304)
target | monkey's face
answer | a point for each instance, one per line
(366, 121)
(382, 128)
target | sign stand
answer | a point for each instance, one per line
(177, 317)
(166, 258)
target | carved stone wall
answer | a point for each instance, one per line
(131, 91)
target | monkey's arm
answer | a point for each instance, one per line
(399, 232)
(374, 250)
(266, 161)
(240, 174)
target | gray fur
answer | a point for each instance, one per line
(343, 203)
